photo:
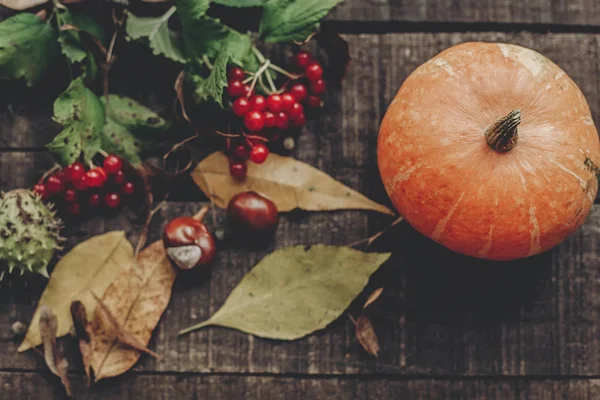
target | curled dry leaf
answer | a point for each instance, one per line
(373, 297)
(48, 326)
(83, 333)
(288, 182)
(295, 291)
(89, 267)
(365, 333)
(136, 299)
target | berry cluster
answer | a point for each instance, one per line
(267, 116)
(74, 189)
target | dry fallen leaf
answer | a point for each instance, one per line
(373, 297)
(136, 299)
(295, 291)
(288, 182)
(84, 336)
(122, 335)
(89, 267)
(48, 325)
(365, 333)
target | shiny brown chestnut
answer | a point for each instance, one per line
(250, 213)
(188, 242)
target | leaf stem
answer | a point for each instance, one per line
(207, 61)
(258, 55)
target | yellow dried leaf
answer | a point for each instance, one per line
(136, 300)
(89, 267)
(288, 182)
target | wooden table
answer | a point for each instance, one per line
(450, 327)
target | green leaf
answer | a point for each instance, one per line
(208, 37)
(81, 114)
(295, 291)
(211, 88)
(191, 9)
(71, 42)
(90, 26)
(161, 39)
(241, 3)
(27, 46)
(293, 20)
(130, 128)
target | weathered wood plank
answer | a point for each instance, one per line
(569, 12)
(31, 386)
(441, 313)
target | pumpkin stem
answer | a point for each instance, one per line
(502, 135)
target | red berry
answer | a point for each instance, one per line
(240, 152)
(314, 71)
(74, 172)
(238, 170)
(236, 73)
(112, 200)
(296, 111)
(287, 102)
(274, 103)
(248, 92)
(241, 106)
(318, 86)
(119, 177)
(112, 164)
(95, 177)
(258, 103)
(259, 154)
(235, 88)
(94, 200)
(127, 188)
(299, 120)
(81, 183)
(40, 189)
(269, 119)
(54, 185)
(315, 101)
(254, 120)
(71, 196)
(299, 92)
(281, 120)
(74, 209)
(302, 59)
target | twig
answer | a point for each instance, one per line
(49, 172)
(149, 201)
(369, 240)
(176, 146)
(257, 75)
(284, 72)
(271, 83)
(262, 85)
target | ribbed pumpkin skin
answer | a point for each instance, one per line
(442, 176)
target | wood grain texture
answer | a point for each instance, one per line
(569, 12)
(440, 313)
(31, 386)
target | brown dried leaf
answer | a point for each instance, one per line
(84, 336)
(288, 182)
(136, 299)
(89, 267)
(365, 333)
(373, 297)
(55, 361)
(122, 335)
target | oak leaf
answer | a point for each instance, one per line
(295, 291)
(288, 182)
(136, 300)
(89, 267)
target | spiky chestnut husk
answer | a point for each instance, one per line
(29, 233)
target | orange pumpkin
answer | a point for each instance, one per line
(490, 150)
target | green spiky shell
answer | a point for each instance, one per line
(29, 233)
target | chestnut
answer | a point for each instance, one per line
(252, 215)
(188, 242)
